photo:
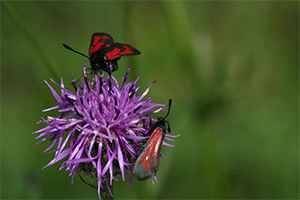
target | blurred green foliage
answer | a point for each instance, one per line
(231, 68)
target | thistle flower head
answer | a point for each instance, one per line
(100, 127)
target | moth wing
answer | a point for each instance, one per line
(112, 52)
(100, 41)
(147, 162)
(140, 172)
(126, 50)
(117, 50)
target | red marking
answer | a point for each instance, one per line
(96, 48)
(145, 159)
(97, 38)
(157, 144)
(147, 165)
(152, 149)
(113, 57)
(126, 51)
(113, 54)
(108, 45)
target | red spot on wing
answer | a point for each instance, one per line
(96, 48)
(97, 38)
(157, 144)
(126, 51)
(146, 164)
(113, 54)
(112, 57)
(152, 149)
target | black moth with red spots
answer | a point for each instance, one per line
(103, 52)
(147, 160)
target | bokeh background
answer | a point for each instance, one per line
(231, 68)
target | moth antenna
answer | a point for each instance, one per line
(69, 48)
(170, 103)
(169, 128)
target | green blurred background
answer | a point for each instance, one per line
(231, 68)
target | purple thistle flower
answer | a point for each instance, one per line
(100, 127)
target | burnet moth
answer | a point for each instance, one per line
(104, 53)
(147, 160)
